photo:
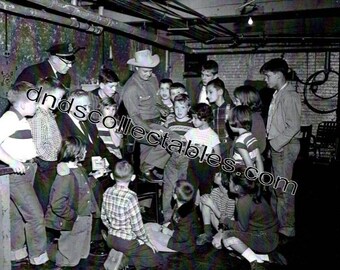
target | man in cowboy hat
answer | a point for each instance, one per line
(57, 65)
(139, 96)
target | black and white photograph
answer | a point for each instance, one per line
(169, 134)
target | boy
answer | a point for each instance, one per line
(120, 213)
(206, 141)
(214, 207)
(283, 132)
(164, 93)
(220, 107)
(17, 149)
(108, 83)
(180, 233)
(46, 137)
(177, 165)
(175, 89)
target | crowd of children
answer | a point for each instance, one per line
(201, 203)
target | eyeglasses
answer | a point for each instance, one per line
(66, 61)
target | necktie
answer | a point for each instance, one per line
(85, 130)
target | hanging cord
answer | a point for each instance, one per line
(311, 85)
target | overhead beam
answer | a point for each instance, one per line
(41, 14)
(129, 30)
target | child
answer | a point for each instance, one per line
(47, 137)
(176, 167)
(158, 157)
(179, 234)
(255, 228)
(245, 149)
(121, 215)
(164, 93)
(17, 150)
(108, 84)
(209, 72)
(175, 89)
(220, 107)
(109, 136)
(248, 95)
(206, 140)
(71, 205)
(215, 207)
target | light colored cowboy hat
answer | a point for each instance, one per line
(144, 59)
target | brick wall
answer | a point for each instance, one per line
(236, 69)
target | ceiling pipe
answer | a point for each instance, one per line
(264, 50)
(41, 14)
(76, 11)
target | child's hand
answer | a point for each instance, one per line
(149, 244)
(167, 231)
(217, 240)
(205, 199)
(18, 167)
(166, 224)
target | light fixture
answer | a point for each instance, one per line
(250, 21)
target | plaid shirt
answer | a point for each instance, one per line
(120, 213)
(46, 134)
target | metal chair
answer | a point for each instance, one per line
(325, 141)
(305, 142)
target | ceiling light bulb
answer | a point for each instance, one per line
(250, 21)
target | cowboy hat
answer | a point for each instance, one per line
(144, 59)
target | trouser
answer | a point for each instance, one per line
(282, 200)
(175, 169)
(44, 178)
(27, 218)
(142, 256)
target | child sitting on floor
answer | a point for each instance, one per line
(121, 215)
(254, 232)
(180, 233)
(215, 207)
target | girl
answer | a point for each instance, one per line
(179, 234)
(111, 138)
(245, 148)
(248, 95)
(71, 205)
(254, 232)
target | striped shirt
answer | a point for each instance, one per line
(120, 213)
(16, 136)
(179, 127)
(112, 142)
(248, 142)
(224, 204)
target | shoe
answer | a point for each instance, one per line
(276, 257)
(24, 261)
(203, 238)
(150, 177)
(254, 265)
(99, 248)
(114, 260)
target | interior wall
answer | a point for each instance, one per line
(235, 70)
(28, 39)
